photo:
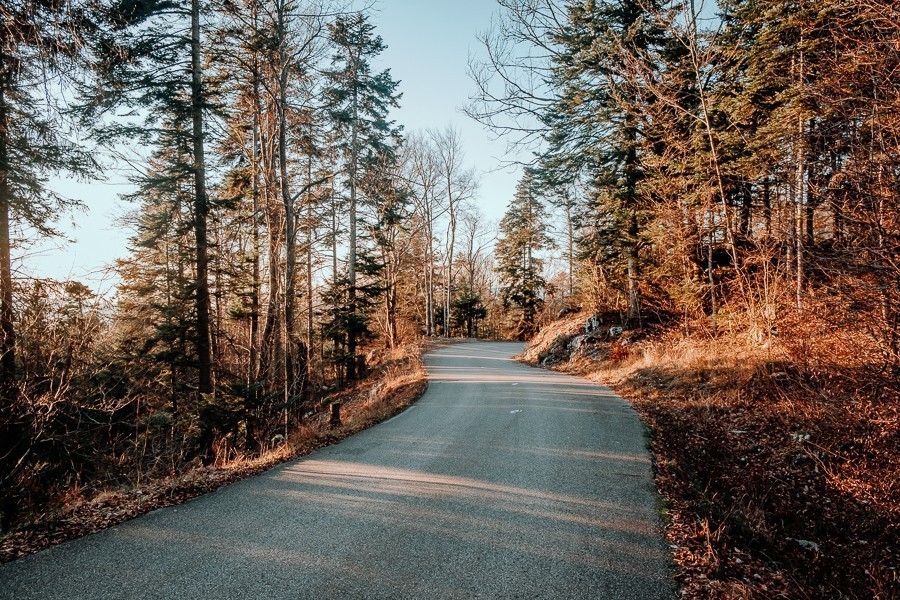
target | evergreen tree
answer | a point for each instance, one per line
(523, 235)
(767, 96)
(155, 311)
(359, 103)
(150, 61)
(468, 312)
(40, 49)
(594, 127)
(388, 230)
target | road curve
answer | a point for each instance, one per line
(503, 481)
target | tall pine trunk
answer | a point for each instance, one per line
(351, 263)
(290, 242)
(253, 368)
(201, 210)
(800, 192)
(10, 434)
(310, 324)
(632, 264)
(570, 249)
(7, 323)
(270, 347)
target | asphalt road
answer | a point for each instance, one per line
(503, 481)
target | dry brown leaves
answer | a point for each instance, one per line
(781, 478)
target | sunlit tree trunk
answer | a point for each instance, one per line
(800, 193)
(351, 261)
(8, 386)
(310, 240)
(253, 368)
(290, 219)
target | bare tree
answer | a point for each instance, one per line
(458, 184)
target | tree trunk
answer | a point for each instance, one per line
(800, 184)
(746, 207)
(450, 248)
(334, 237)
(799, 197)
(633, 267)
(810, 219)
(310, 232)
(201, 211)
(429, 267)
(8, 386)
(253, 367)
(10, 431)
(335, 308)
(391, 305)
(173, 379)
(270, 346)
(351, 263)
(713, 308)
(428, 326)
(290, 242)
(570, 230)
(216, 295)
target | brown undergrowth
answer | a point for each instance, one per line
(778, 458)
(394, 384)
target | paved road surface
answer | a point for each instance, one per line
(503, 481)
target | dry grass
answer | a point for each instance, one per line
(778, 458)
(397, 382)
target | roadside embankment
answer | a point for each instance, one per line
(779, 466)
(396, 382)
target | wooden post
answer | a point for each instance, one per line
(335, 414)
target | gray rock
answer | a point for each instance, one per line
(577, 342)
(592, 325)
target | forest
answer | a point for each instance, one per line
(287, 235)
(719, 186)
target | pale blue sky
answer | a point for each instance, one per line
(428, 41)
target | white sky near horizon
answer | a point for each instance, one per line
(429, 43)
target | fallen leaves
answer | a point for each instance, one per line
(781, 480)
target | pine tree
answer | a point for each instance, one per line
(150, 60)
(359, 102)
(523, 235)
(389, 201)
(242, 40)
(154, 301)
(594, 127)
(40, 49)
(468, 311)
